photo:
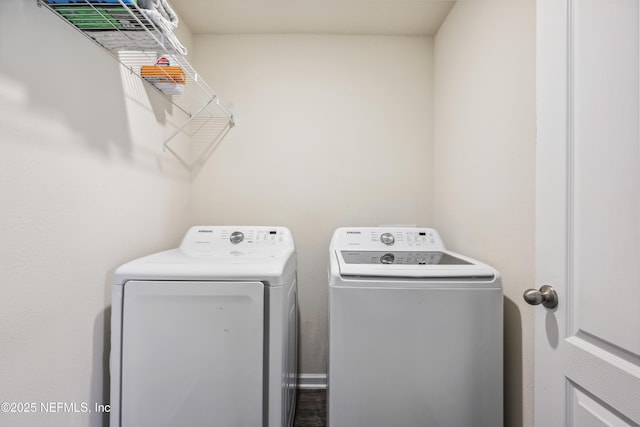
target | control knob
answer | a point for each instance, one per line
(236, 237)
(387, 259)
(387, 239)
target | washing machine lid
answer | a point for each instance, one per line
(409, 252)
(410, 264)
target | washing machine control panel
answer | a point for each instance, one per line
(396, 238)
(211, 240)
(387, 238)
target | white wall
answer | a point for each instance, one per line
(332, 131)
(484, 151)
(84, 186)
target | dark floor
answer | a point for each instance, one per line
(311, 409)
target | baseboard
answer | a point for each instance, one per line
(310, 381)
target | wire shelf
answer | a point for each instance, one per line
(125, 31)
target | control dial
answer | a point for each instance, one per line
(387, 239)
(236, 237)
(387, 259)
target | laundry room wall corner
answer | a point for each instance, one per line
(332, 130)
(484, 147)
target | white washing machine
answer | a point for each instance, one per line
(206, 334)
(415, 332)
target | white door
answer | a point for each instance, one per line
(588, 213)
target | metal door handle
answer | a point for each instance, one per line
(546, 296)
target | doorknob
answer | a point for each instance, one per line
(546, 296)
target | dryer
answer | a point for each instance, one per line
(206, 334)
(415, 332)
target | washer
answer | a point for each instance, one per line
(415, 332)
(206, 334)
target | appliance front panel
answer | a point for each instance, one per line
(415, 357)
(387, 238)
(180, 342)
(230, 241)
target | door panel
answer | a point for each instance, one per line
(588, 213)
(592, 412)
(192, 354)
(606, 172)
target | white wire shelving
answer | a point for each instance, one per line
(124, 31)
